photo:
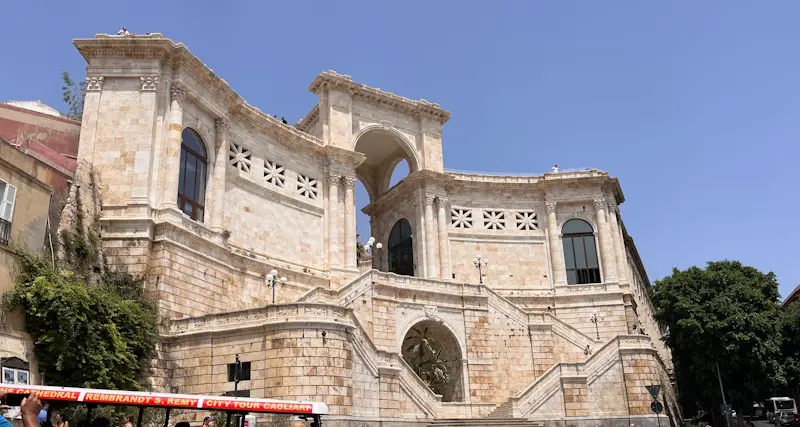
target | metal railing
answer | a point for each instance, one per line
(5, 231)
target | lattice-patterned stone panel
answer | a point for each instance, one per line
(240, 157)
(461, 218)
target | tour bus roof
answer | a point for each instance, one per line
(169, 400)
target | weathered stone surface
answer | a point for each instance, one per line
(524, 343)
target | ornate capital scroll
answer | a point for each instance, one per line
(94, 83)
(149, 83)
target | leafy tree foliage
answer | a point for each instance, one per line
(425, 358)
(85, 335)
(726, 314)
(72, 93)
(791, 347)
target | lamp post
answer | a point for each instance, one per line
(272, 281)
(480, 264)
(595, 318)
(378, 246)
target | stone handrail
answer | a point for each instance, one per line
(254, 317)
(564, 330)
(418, 389)
(356, 288)
(529, 399)
(511, 310)
(428, 285)
(376, 359)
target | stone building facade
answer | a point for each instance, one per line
(204, 195)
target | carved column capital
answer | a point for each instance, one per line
(149, 83)
(334, 177)
(429, 199)
(612, 205)
(222, 125)
(551, 206)
(349, 181)
(442, 201)
(600, 204)
(94, 84)
(178, 92)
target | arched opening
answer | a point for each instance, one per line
(580, 252)
(192, 178)
(384, 150)
(401, 249)
(433, 353)
(401, 170)
(363, 226)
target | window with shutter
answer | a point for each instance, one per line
(8, 194)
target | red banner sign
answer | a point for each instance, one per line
(247, 406)
(166, 400)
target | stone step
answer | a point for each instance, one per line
(486, 422)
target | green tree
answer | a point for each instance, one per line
(791, 348)
(726, 314)
(85, 335)
(72, 93)
(425, 358)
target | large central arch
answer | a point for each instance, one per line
(384, 147)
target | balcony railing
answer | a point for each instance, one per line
(5, 231)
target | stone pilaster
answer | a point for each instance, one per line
(349, 222)
(616, 239)
(556, 248)
(144, 143)
(218, 181)
(91, 115)
(606, 243)
(333, 219)
(444, 241)
(430, 239)
(172, 151)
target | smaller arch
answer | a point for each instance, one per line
(386, 180)
(592, 225)
(414, 160)
(193, 175)
(429, 344)
(580, 252)
(400, 247)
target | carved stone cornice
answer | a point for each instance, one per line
(344, 159)
(94, 84)
(346, 84)
(287, 135)
(306, 122)
(177, 91)
(149, 83)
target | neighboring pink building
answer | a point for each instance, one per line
(40, 132)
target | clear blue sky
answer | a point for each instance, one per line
(693, 105)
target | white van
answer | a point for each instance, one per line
(780, 410)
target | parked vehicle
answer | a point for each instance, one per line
(780, 410)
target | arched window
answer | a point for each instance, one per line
(401, 249)
(192, 181)
(580, 253)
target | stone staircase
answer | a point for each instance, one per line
(486, 422)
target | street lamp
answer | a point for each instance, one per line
(480, 264)
(596, 318)
(378, 246)
(272, 281)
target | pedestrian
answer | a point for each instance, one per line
(59, 421)
(123, 32)
(128, 421)
(284, 121)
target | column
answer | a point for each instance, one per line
(172, 150)
(333, 216)
(430, 239)
(350, 223)
(619, 245)
(444, 242)
(220, 163)
(606, 245)
(556, 248)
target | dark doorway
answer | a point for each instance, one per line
(401, 249)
